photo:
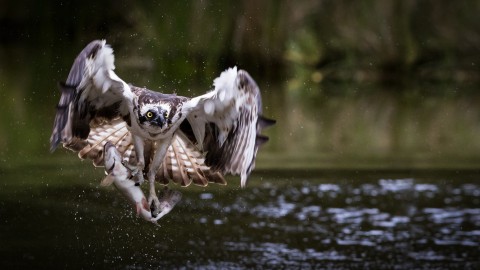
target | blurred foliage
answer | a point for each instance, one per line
(350, 79)
(342, 39)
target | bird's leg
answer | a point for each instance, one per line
(118, 175)
(138, 171)
(155, 205)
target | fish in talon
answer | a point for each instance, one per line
(119, 176)
(154, 207)
(168, 199)
(161, 137)
(165, 202)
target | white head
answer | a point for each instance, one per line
(155, 118)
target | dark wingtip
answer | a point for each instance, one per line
(54, 145)
(265, 122)
(68, 92)
(64, 87)
(261, 139)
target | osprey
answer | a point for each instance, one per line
(163, 137)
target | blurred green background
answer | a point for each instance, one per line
(362, 91)
(352, 84)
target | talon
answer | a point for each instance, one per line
(154, 205)
(137, 173)
(153, 209)
(169, 198)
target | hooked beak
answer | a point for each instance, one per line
(159, 120)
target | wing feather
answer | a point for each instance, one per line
(227, 123)
(184, 163)
(92, 90)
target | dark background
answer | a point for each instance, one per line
(348, 80)
(373, 164)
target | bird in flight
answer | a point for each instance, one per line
(158, 136)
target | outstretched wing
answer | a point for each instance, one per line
(227, 123)
(92, 90)
(183, 164)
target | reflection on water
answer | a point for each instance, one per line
(333, 220)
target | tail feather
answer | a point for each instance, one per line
(261, 139)
(264, 122)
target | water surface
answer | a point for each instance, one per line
(318, 219)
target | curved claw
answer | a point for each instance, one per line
(144, 212)
(154, 204)
(118, 175)
(137, 173)
(168, 200)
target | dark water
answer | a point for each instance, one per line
(315, 219)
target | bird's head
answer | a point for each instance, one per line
(155, 118)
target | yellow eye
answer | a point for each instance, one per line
(149, 114)
(165, 114)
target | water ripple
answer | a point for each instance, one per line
(423, 221)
